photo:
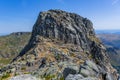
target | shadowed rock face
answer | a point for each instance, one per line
(67, 28)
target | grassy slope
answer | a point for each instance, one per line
(11, 45)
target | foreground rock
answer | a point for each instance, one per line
(79, 77)
(63, 46)
(24, 77)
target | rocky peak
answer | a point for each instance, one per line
(68, 27)
(60, 43)
(63, 26)
(19, 33)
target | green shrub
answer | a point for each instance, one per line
(23, 68)
(49, 77)
(5, 76)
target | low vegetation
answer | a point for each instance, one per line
(11, 45)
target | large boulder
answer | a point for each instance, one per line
(89, 68)
(79, 77)
(24, 77)
(71, 69)
(109, 76)
(74, 77)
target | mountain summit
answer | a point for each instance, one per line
(63, 26)
(63, 46)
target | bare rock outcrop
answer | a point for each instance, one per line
(64, 41)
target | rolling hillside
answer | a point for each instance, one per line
(11, 45)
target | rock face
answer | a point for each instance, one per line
(64, 46)
(67, 27)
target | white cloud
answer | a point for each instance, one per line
(115, 2)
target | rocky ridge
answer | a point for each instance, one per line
(63, 46)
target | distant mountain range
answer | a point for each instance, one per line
(2, 34)
(5, 34)
(108, 31)
(111, 39)
(97, 32)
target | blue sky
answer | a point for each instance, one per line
(20, 15)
